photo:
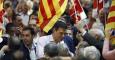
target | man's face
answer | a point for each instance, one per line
(27, 37)
(33, 25)
(18, 21)
(59, 33)
(69, 33)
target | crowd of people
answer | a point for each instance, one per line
(23, 39)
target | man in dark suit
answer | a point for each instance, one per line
(89, 38)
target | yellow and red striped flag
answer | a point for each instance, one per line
(49, 13)
(111, 17)
(110, 24)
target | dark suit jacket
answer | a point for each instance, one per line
(25, 51)
(92, 41)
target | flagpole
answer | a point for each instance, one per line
(105, 15)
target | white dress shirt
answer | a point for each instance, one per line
(44, 40)
(25, 19)
(33, 51)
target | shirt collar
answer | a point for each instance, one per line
(51, 38)
(33, 46)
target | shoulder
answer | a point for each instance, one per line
(43, 40)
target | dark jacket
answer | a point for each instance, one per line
(70, 43)
(4, 42)
(9, 54)
(25, 51)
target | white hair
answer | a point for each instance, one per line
(99, 32)
(92, 53)
(30, 4)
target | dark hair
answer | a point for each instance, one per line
(14, 43)
(51, 49)
(9, 26)
(60, 24)
(6, 4)
(35, 14)
(14, 18)
(30, 29)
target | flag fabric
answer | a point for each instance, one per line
(76, 11)
(1, 30)
(0, 33)
(1, 10)
(111, 17)
(80, 10)
(1, 14)
(49, 13)
(98, 6)
(72, 11)
(110, 24)
(1, 5)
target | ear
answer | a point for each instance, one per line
(54, 29)
(97, 37)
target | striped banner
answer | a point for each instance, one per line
(110, 25)
(111, 17)
(49, 13)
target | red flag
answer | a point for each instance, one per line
(98, 6)
(80, 10)
(72, 11)
(76, 11)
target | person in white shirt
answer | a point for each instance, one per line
(56, 36)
